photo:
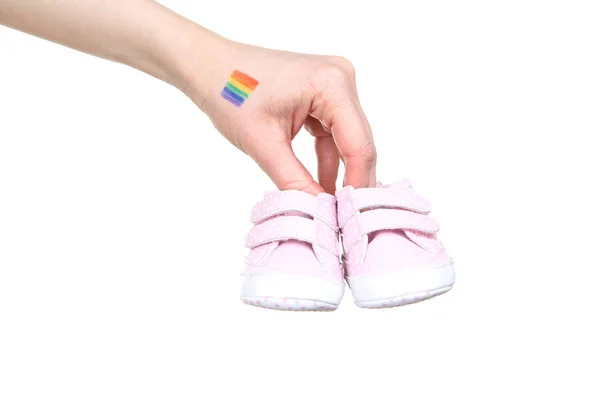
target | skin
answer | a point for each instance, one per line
(294, 90)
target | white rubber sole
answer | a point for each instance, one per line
(291, 292)
(401, 288)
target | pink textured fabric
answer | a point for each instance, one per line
(387, 228)
(293, 227)
(295, 233)
(404, 198)
(277, 203)
(385, 219)
(413, 261)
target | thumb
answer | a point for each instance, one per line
(277, 159)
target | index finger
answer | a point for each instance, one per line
(354, 139)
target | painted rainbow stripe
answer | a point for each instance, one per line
(238, 87)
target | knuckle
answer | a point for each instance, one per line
(369, 153)
(344, 64)
(337, 71)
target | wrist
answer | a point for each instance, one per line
(200, 64)
(180, 52)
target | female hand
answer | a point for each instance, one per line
(294, 90)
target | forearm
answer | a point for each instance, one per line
(139, 33)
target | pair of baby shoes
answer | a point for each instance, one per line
(391, 254)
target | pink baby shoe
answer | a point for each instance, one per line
(392, 256)
(294, 259)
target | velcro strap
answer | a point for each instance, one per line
(293, 227)
(385, 219)
(404, 198)
(277, 203)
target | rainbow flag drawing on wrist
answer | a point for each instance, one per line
(238, 87)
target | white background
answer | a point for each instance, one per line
(123, 212)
